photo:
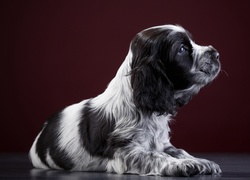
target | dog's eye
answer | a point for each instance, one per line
(182, 49)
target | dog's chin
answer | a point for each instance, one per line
(204, 77)
(206, 72)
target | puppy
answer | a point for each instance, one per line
(125, 129)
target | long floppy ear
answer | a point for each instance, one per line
(152, 90)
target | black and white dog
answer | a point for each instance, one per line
(125, 129)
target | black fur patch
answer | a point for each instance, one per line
(48, 141)
(158, 69)
(95, 131)
(152, 90)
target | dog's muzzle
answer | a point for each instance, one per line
(209, 63)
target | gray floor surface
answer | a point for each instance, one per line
(17, 166)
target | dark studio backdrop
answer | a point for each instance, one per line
(56, 53)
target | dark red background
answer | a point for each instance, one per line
(56, 53)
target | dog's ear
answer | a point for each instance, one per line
(152, 90)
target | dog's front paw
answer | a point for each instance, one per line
(191, 167)
(188, 168)
(209, 167)
(183, 167)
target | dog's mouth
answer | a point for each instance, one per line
(207, 72)
(209, 69)
(209, 66)
(206, 68)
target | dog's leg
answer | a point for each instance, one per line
(136, 161)
(208, 167)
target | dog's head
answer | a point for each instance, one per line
(168, 68)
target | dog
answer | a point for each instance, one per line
(126, 128)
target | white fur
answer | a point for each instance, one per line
(35, 160)
(50, 161)
(169, 26)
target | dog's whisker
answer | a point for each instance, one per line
(223, 71)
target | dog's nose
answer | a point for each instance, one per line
(214, 53)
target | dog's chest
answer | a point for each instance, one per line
(153, 133)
